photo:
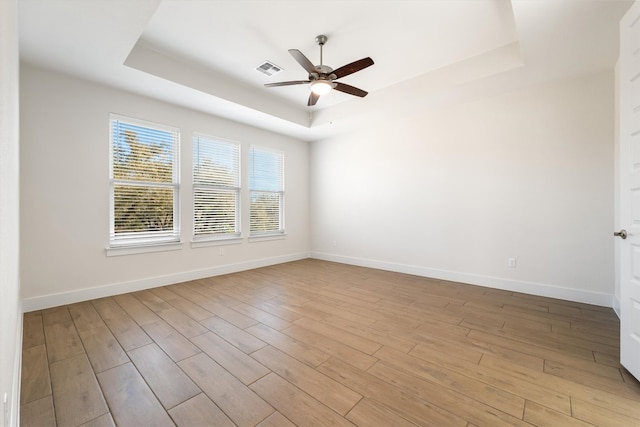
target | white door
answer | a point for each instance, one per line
(630, 190)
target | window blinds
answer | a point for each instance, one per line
(144, 182)
(216, 192)
(266, 192)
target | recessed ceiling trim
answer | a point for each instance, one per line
(151, 61)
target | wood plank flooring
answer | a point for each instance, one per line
(314, 343)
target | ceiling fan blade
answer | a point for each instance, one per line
(313, 98)
(358, 65)
(303, 60)
(293, 82)
(350, 89)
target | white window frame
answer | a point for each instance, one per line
(126, 243)
(280, 191)
(212, 237)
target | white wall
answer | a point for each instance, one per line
(454, 193)
(65, 198)
(450, 193)
(10, 306)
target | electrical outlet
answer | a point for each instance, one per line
(221, 252)
(511, 263)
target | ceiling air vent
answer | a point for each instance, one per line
(268, 68)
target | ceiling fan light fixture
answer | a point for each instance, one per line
(321, 87)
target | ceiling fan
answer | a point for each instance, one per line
(322, 77)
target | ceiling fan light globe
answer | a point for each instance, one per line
(321, 87)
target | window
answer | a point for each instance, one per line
(144, 183)
(266, 192)
(216, 188)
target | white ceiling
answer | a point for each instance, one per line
(427, 53)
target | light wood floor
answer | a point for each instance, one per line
(312, 343)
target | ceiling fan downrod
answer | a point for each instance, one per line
(321, 40)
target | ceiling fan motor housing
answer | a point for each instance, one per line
(324, 72)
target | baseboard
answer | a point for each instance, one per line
(54, 300)
(13, 406)
(530, 288)
(616, 305)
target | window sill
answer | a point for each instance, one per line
(142, 249)
(203, 243)
(267, 237)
